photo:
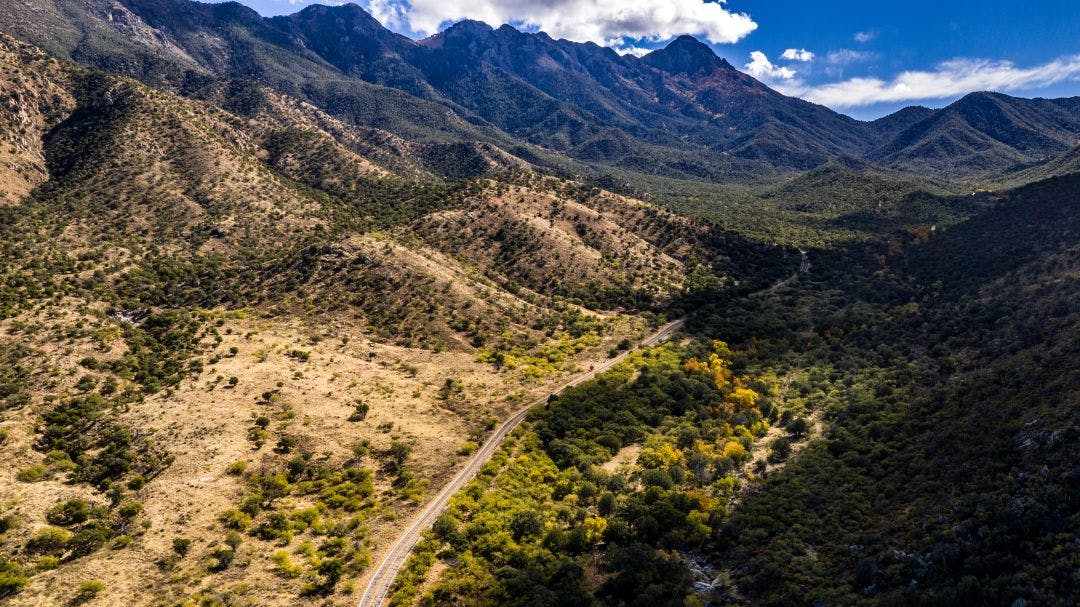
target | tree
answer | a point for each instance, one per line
(525, 524)
(798, 427)
(780, 449)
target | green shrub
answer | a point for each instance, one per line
(286, 444)
(283, 564)
(47, 563)
(31, 474)
(12, 577)
(71, 512)
(130, 510)
(88, 590)
(49, 540)
(181, 545)
(236, 468)
(360, 412)
(235, 519)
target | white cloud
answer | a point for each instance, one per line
(948, 79)
(864, 37)
(390, 13)
(637, 51)
(797, 54)
(846, 56)
(761, 67)
(598, 21)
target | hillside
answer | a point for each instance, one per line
(983, 134)
(229, 312)
(891, 428)
(980, 349)
(1058, 166)
(851, 186)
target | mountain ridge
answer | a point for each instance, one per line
(679, 110)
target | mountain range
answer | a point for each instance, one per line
(679, 111)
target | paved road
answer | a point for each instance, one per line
(379, 586)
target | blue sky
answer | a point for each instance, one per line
(864, 58)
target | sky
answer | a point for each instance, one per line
(865, 58)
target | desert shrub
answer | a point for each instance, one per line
(49, 540)
(32, 473)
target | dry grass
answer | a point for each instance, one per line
(204, 424)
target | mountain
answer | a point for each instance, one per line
(851, 186)
(572, 108)
(1065, 164)
(505, 85)
(983, 134)
(889, 126)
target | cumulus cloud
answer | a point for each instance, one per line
(864, 37)
(597, 21)
(948, 79)
(797, 54)
(761, 67)
(390, 13)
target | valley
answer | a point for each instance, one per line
(298, 310)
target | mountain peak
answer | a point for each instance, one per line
(352, 12)
(469, 26)
(685, 55)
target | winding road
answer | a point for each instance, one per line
(379, 586)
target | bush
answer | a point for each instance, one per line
(284, 565)
(286, 444)
(49, 540)
(71, 512)
(181, 545)
(47, 563)
(31, 474)
(130, 510)
(236, 468)
(359, 414)
(223, 557)
(780, 449)
(88, 590)
(88, 539)
(12, 577)
(798, 427)
(234, 519)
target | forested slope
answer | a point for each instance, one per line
(949, 475)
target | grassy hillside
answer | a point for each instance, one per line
(892, 428)
(242, 337)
